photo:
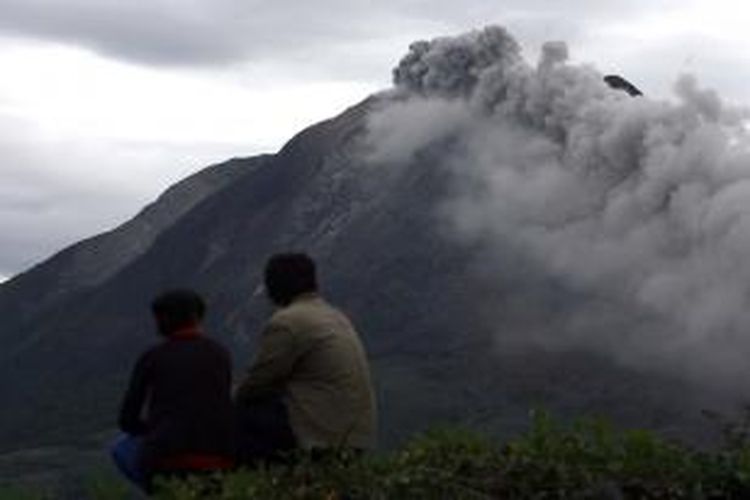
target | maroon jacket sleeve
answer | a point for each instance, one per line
(131, 419)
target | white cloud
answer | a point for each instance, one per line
(72, 92)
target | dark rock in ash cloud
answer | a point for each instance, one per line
(620, 83)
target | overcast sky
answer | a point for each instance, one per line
(105, 103)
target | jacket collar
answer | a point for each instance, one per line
(189, 332)
(306, 297)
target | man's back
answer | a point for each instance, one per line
(314, 354)
(186, 384)
(329, 396)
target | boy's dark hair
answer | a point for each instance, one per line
(288, 275)
(178, 308)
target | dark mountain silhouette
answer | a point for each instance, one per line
(73, 325)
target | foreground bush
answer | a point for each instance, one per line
(586, 460)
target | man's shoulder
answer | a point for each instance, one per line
(206, 344)
(148, 357)
(310, 315)
(304, 310)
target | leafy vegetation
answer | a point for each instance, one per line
(588, 459)
(19, 493)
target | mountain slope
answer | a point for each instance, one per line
(93, 261)
(384, 257)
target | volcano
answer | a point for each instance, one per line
(457, 327)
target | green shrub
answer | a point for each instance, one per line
(21, 493)
(587, 459)
(105, 486)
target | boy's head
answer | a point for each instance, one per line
(175, 310)
(289, 275)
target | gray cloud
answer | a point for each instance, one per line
(224, 31)
(186, 33)
(641, 204)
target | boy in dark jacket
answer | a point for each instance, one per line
(177, 412)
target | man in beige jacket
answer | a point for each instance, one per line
(310, 360)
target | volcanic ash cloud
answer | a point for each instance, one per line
(641, 203)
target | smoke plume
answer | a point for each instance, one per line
(643, 204)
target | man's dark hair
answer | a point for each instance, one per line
(289, 275)
(177, 308)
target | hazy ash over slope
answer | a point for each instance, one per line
(643, 204)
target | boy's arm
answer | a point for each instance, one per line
(131, 421)
(277, 353)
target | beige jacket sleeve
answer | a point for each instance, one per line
(279, 349)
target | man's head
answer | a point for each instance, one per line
(176, 310)
(289, 275)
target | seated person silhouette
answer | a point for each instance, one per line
(309, 386)
(177, 412)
